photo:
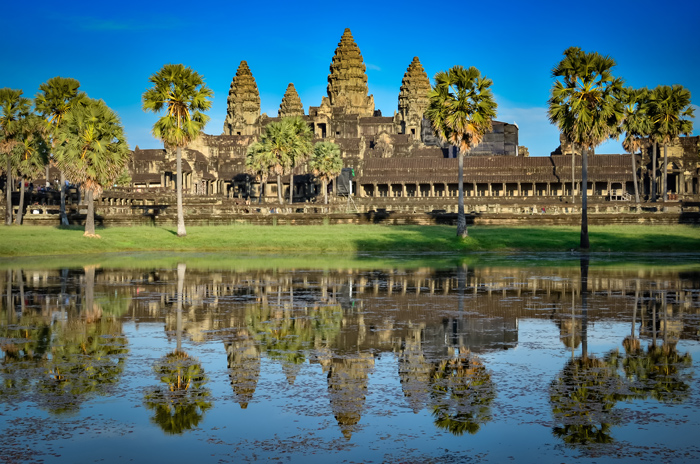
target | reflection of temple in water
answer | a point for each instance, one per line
(341, 319)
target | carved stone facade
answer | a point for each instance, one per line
(243, 113)
(397, 156)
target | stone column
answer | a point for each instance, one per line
(432, 189)
(476, 192)
(446, 192)
(490, 189)
(403, 189)
(520, 190)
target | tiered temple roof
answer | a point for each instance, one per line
(243, 103)
(413, 97)
(291, 103)
(347, 81)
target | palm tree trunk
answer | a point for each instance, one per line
(279, 189)
(585, 245)
(181, 268)
(653, 175)
(291, 186)
(665, 177)
(90, 218)
(573, 174)
(20, 210)
(461, 220)
(325, 192)
(64, 217)
(262, 192)
(8, 191)
(181, 232)
(634, 177)
(584, 297)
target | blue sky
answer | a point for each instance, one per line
(113, 48)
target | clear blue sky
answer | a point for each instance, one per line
(112, 49)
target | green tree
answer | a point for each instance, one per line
(461, 110)
(14, 108)
(586, 107)
(636, 125)
(300, 146)
(461, 394)
(93, 150)
(259, 162)
(182, 93)
(181, 402)
(670, 110)
(282, 146)
(53, 101)
(326, 163)
(31, 154)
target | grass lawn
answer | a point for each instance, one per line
(43, 241)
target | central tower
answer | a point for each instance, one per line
(347, 82)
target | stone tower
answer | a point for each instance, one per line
(291, 103)
(413, 98)
(347, 82)
(243, 112)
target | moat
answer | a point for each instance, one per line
(496, 358)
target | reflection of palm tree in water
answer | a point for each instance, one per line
(584, 394)
(461, 393)
(180, 404)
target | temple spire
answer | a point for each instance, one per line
(243, 110)
(413, 97)
(291, 103)
(347, 81)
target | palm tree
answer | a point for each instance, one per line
(184, 95)
(670, 111)
(93, 150)
(586, 108)
(32, 155)
(461, 110)
(326, 163)
(259, 162)
(53, 101)
(299, 148)
(13, 109)
(283, 145)
(636, 125)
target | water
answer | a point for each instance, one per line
(508, 359)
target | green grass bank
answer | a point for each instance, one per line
(43, 241)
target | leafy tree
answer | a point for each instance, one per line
(586, 107)
(14, 108)
(182, 93)
(31, 155)
(636, 125)
(180, 404)
(259, 162)
(300, 147)
(670, 111)
(53, 101)
(93, 150)
(326, 163)
(282, 146)
(461, 109)
(461, 394)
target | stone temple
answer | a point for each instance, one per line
(395, 156)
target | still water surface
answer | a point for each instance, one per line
(513, 361)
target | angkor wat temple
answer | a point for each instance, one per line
(398, 156)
